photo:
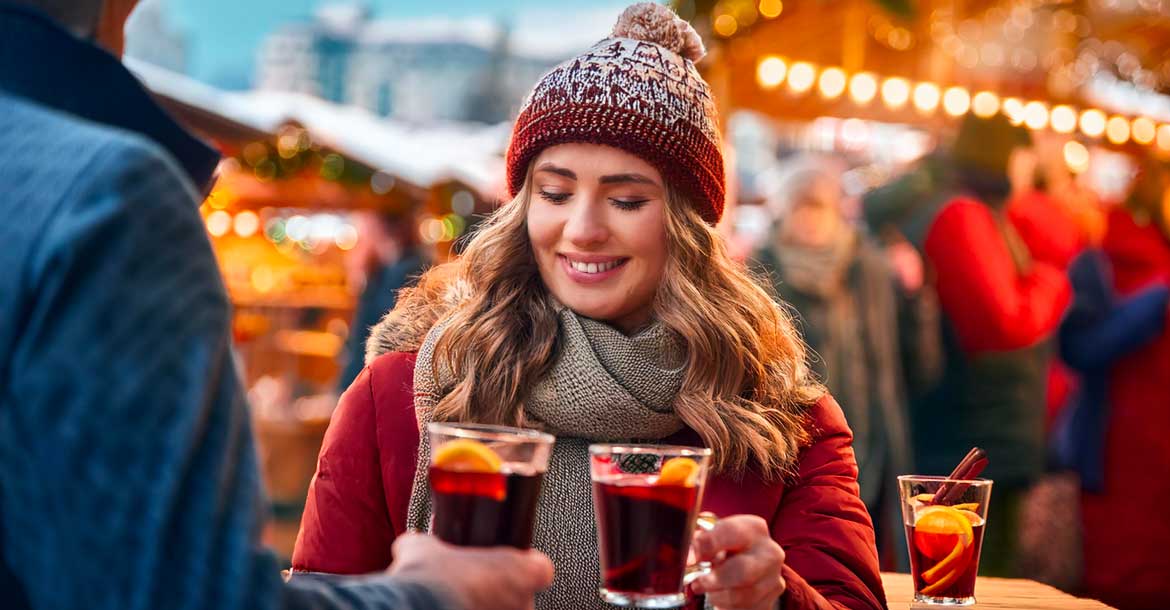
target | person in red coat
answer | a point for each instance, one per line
(600, 304)
(1001, 305)
(1127, 533)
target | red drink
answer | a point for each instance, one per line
(944, 553)
(484, 508)
(645, 532)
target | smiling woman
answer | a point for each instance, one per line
(598, 231)
(600, 305)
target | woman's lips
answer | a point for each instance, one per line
(592, 271)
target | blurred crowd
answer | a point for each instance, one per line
(988, 298)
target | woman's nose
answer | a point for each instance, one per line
(586, 225)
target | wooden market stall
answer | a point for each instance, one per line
(281, 218)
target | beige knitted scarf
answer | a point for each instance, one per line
(603, 387)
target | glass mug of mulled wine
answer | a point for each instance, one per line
(485, 482)
(944, 519)
(646, 501)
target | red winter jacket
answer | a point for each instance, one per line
(358, 499)
(992, 306)
(1127, 533)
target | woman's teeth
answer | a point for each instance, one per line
(593, 267)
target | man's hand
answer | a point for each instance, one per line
(497, 578)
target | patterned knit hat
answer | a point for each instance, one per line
(639, 91)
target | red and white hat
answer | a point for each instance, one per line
(639, 91)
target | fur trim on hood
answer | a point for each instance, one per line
(417, 310)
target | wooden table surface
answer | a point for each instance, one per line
(1005, 593)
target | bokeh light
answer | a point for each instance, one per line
(926, 97)
(1035, 115)
(219, 223)
(771, 8)
(770, 72)
(801, 76)
(956, 101)
(725, 25)
(863, 87)
(985, 104)
(1076, 156)
(1117, 130)
(832, 83)
(1144, 131)
(1093, 123)
(895, 92)
(1063, 119)
(247, 223)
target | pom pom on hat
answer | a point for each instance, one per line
(658, 24)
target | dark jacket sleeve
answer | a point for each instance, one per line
(130, 477)
(823, 526)
(346, 527)
(1099, 329)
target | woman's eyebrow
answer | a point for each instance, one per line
(560, 171)
(628, 178)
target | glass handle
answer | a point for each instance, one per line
(705, 522)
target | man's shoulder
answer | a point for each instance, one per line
(47, 154)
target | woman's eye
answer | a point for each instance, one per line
(554, 197)
(629, 204)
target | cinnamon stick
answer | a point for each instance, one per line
(972, 465)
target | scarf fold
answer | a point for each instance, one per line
(603, 387)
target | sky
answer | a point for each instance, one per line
(223, 35)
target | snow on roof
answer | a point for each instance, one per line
(421, 154)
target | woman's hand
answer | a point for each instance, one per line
(746, 564)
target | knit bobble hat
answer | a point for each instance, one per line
(637, 90)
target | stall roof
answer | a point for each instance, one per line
(420, 154)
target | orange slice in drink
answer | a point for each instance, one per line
(939, 530)
(679, 471)
(467, 455)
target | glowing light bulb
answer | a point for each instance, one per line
(895, 92)
(1093, 123)
(832, 83)
(926, 97)
(1063, 119)
(801, 76)
(956, 101)
(985, 104)
(770, 72)
(863, 88)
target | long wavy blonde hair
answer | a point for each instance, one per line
(747, 384)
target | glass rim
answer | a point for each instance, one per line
(679, 450)
(978, 481)
(491, 432)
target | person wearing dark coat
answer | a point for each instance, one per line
(128, 474)
(844, 293)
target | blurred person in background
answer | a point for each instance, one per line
(387, 258)
(1113, 434)
(844, 293)
(129, 478)
(1001, 306)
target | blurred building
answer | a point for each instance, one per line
(151, 37)
(419, 70)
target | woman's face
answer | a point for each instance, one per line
(597, 223)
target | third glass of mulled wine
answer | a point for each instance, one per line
(944, 521)
(485, 482)
(646, 501)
